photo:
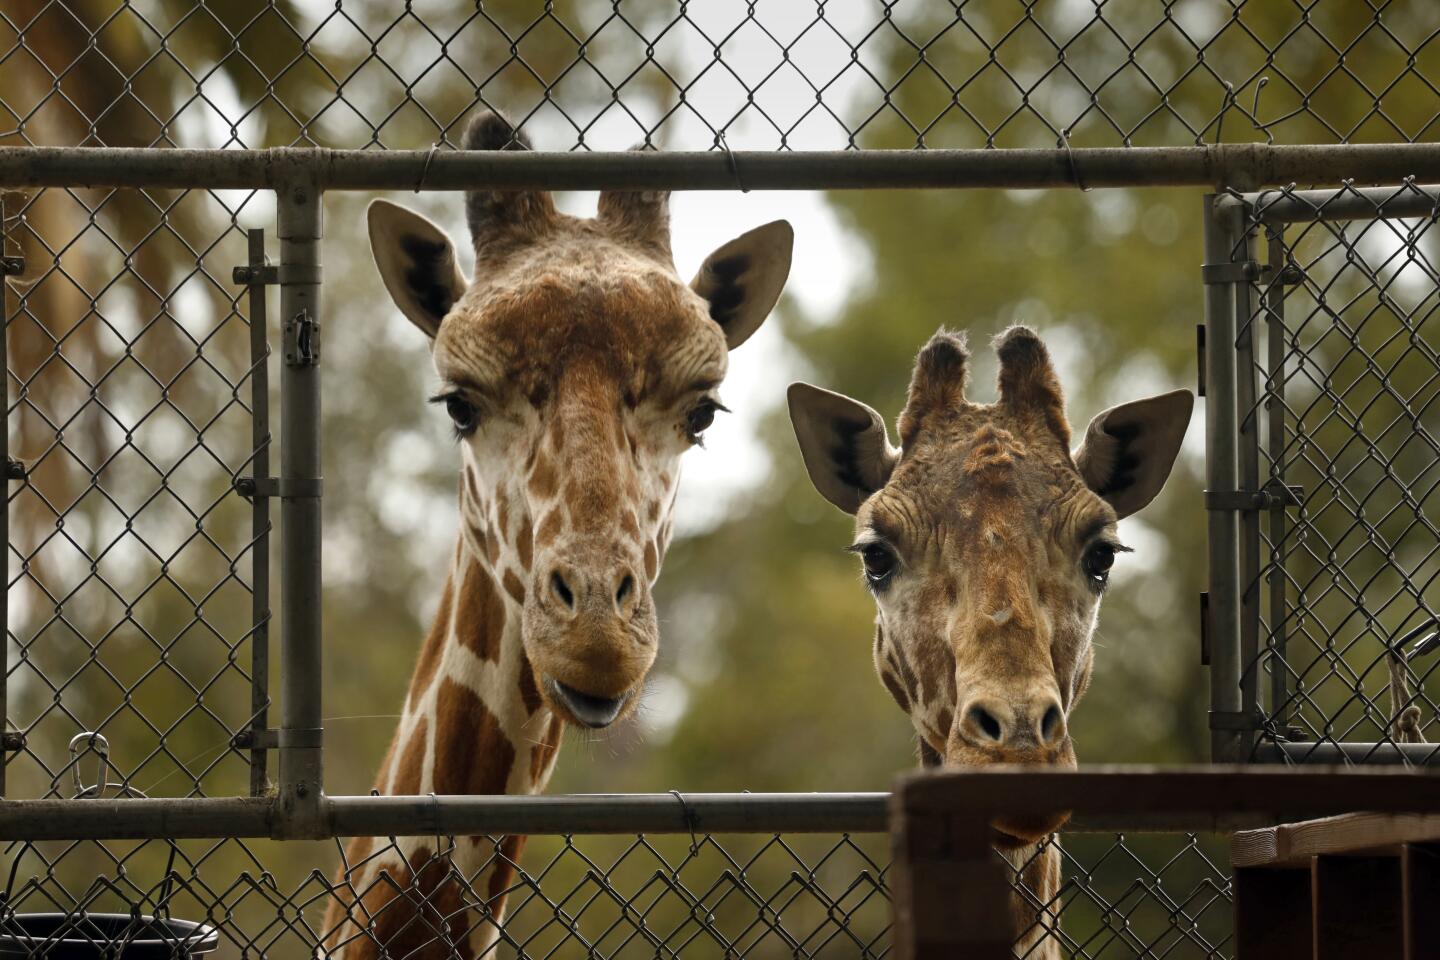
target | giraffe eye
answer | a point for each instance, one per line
(1099, 558)
(701, 416)
(462, 412)
(879, 562)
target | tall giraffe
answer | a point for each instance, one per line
(576, 367)
(987, 545)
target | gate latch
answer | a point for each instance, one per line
(302, 340)
(1269, 497)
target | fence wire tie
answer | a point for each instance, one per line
(425, 167)
(735, 173)
(689, 816)
(1225, 104)
(1074, 167)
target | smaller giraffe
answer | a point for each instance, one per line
(987, 545)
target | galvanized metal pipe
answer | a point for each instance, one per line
(627, 814)
(1276, 350)
(1361, 203)
(1348, 754)
(298, 201)
(1218, 166)
(1222, 234)
(259, 518)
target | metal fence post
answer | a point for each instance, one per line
(1222, 234)
(1279, 706)
(298, 203)
(9, 248)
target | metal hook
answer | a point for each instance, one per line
(730, 159)
(1255, 113)
(93, 743)
(425, 169)
(1074, 167)
(1224, 108)
(689, 816)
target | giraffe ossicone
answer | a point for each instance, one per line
(987, 545)
(576, 367)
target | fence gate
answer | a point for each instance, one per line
(1323, 452)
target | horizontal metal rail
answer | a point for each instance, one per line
(189, 817)
(1333, 754)
(615, 814)
(1211, 165)
(1359, 203)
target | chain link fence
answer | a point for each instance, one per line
(766, 75)
(617, 897)
(138, 602)
(1337, 453)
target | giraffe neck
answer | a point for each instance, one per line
(474, 722)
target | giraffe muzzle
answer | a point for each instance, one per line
(590, 710)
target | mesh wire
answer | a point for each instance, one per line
(1348, 378)
(612, 897)
(129, 367)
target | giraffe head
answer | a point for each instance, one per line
(986, 543)
(577, 367)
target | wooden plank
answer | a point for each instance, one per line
(1272, 914)
(1294, 844)
(951, 895)
(1356, 908)
(1420, 877)
(1283, 794)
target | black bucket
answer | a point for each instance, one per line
(103, 936)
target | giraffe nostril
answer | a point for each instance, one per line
(1052, 724)
(561, 589)
(627, 587)
(986, 722)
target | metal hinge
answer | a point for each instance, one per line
(12, 266)
(12, 741)
(270, 275)
(272, 739)
(1240, 271)
(286, 488)
(302, 340)
(1272, 495)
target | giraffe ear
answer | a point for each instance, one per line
(846, 449)
(742, 280)
(1128, 450)
(417, 263)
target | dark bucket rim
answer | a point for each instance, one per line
(194, 937)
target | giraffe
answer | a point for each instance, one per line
(576, 368)
(987, 545)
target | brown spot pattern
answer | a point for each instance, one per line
(543, 478)
(652, 560)
(543, 752)
(412, 763)
(513, 586)
(479, 613)
(529, 693)
(434, 645)
(525, 545)
(550, 526)
(502, 874)
(472, 754)
(887, 678)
